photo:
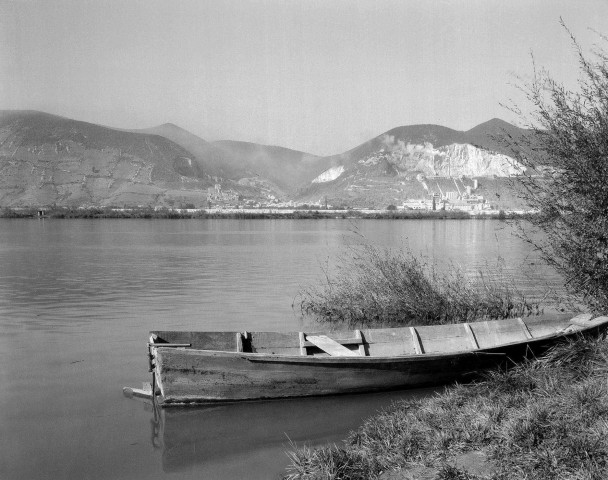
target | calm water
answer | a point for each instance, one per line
(77, 299)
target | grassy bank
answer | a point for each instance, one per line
(544, 420)
(372, 286)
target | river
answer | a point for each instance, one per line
(77, 298)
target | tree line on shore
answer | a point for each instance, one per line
(170, 213)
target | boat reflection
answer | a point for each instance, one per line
(191, 436)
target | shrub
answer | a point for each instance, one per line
(569, 144)
(373, 286)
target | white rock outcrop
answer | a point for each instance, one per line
(330, 174)
(447, 161)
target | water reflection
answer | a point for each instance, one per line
(187, 437)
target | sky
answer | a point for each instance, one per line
(321, 76)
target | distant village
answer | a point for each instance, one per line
(443, 193)
(449, 193)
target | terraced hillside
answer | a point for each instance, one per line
(45, 159)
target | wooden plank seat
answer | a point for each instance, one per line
(340, 341)
(330, 346)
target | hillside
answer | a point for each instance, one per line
(206, 157)
(287, 168)
(46, 159)
(277, 169)
(390, 168)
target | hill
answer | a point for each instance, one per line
(287, 168)
(277, 169)
(46, 159)
(391, 167)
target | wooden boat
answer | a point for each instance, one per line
(216, 367)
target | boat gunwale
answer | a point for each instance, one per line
(278, 358)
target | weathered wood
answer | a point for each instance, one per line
(330, 346)
(275, 343)
(341, 341)
(137, 392)
(239, 342)
(599, 320)
(402, 357)
(223, 341)
(443, 338)
(388, 341)
(581, 320)
(498, 332)
(303, 350)
(524, 327)
(471, 336)
(171, 345)
(359, 337)
(416, 341)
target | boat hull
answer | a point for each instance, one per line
(199, 376)
(198, 367)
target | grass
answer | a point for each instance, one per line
(371, 286)
(543, 420)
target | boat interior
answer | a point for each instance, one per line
(375, 342)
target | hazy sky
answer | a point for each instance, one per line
(319, 76)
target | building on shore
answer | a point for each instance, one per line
(448, 193)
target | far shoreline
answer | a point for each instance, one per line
(253, 214)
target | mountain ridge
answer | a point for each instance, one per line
(46, 159)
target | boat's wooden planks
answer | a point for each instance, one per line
(342, 341)
(275, 343)
(582, 320)
(539, 327)
(144, 392)
(359, 337)
(599, 320)
(295, 343)
(498, 332)
(223, 341)
(471, 336)
(382, 342)
(331, 346)
(524, 328)
(444, 338)
(302, 338)
(189, 375)
(416, 341)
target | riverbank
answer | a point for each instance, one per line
(546, 419)
(262, 213)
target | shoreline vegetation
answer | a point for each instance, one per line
(542, 420)
(545, 419)
(504, 427)
(371, 286)
(262, 213)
